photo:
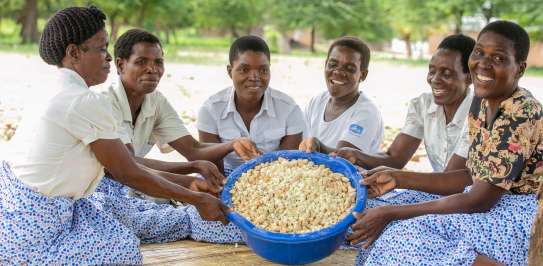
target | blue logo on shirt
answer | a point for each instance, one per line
(356, 129)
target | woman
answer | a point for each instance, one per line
(46, 217)
(490, 221)
(438, 117)
(250, 109)
(343, 116)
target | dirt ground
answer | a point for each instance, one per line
(25, 78)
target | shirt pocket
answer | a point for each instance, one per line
(272, 138)
(229, 134)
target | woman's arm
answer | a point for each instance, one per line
(445, 183)
(398, 154)
(116, 158)
(207, 169)
(193, 183)
(200, 150)
(456, 163)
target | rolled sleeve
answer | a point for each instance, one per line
(362, 133)
(169, 126)
(414, 124)
(90, 118)
(206, 122)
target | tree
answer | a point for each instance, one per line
(332, 18)
(528, 13)
(410, 19)
(233, 15)
(29, 22)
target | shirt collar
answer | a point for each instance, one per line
(507, 103)
(69, 76)
(267, 104)
(463, 108)
(433, 107)
(457, 119)
(122, 98)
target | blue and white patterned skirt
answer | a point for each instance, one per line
(211, 231)
(151, 222)
(456, 239)
(40, 230)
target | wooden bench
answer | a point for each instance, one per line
(187, 252)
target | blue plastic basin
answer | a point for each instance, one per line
(296, 248)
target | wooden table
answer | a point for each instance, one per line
(187, 252)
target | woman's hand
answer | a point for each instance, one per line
(369, 225)
(377, 170)
(203, 185)
(310, 145)
(211, 173)
(245, 148)
(347, 153)
(211, 209)
(380, 183)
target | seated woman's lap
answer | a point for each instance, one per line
(456, 239)
(42, 230)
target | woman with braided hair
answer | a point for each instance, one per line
(58, 159)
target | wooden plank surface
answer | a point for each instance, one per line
(187, 252)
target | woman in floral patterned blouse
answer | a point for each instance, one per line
(490, 221)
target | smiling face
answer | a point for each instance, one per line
(494, 69)
(142, 71)
(447, 78)
(250, 74)
(342, 72)
(93, 59)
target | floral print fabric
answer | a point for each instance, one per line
(507, 151)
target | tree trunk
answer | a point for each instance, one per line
(29, 22)
(535, 254)
(458, 21)
(174, 36)
(408, 49)
(114, 27)
(234, 31)
(168, 40)
(312, 40)
(141, 18)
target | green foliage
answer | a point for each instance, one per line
(333, 18)
(236, 16)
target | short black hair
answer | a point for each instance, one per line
(247, 43)
(72, 25)
(513, 32)
(123, 45)
(460, 43)
(355, 44)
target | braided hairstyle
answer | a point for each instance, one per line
(72, 25)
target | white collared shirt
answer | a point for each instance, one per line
(50, 151)
(279, 116)
(157, 121)
(361, 124)
(426, 121)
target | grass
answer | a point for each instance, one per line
(535, 71)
